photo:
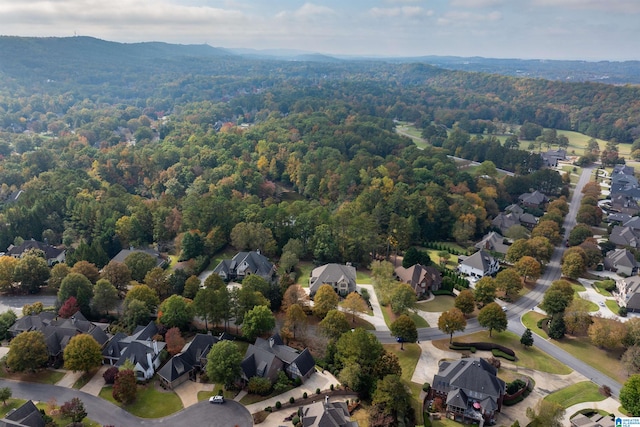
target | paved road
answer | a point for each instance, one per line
(201, 414)
(16, 302)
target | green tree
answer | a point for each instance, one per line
(158, 280)
(118, 274)
(82, 353)
(403, 298)
(78, 286)
(509, 282)
(405, 329)
(392, 395)
(139, 264)
(579, 234)
(358, 352)
(555, 301)
(465, 302)
(28, 352)
(324, 300)
(485, 291)
(105, 297)
(259, 320)
(252, 236)
(204, 305)
(334, 324)
(288, 261)
(527, 338)
(573, 265)
(546, 414)
(493, 317)
(7, 273)
(125, 387)
(630, 395)
(176, 311)
(223, 363)
(244, 300)
(32, 272)
(191, 287)
(5, 394)
(7, 319)
(58, 272)
(528, 267)
(74, 409)
(145, 294)
(354, 303)
(452, 321)
(134, 313)
(295, 321)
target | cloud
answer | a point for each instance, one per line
(620, 6)
(477, 4)
(404, 11)
(459, 18)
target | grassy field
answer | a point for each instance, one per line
(607, 362)
(452, 262)
(303, 272)
(45, 376)
(612, 305)
(600, 287)
(408, 359)
(530, 320)
(419, 321)
(591, 306)
(437, 305)
(584, 391)
(532, 358)
(227, 253)
(363, 276)
(150, 401)
(390, 317)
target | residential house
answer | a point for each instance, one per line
(186, 364)
(341, 276)
(621, 182)
(628, 294)
(535, 200)
(470, 389)
(622, 169)
(326, 414)
(26, 415)
(624, 204)
(244, 264)
(633, 223)
(624, 236)
(123, 254)
(596, 420)
(265, 358)
(551, 157)
(422, 279)
(52, 254)
(504, 221)
(479, 264)
(141, 349)
(621, 261)
(493, 242)
(618, 218)
(58, 331)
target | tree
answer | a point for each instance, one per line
(579, 234)
(191, 287)
(78, 286)
(252, 236)
(402, 298)
(294, 295)
(223, 363)
(573, 266)
(527, 338)
(405, 329)
(555, 300)
(204, 305)
(259, 320)
(288, 261)
(354, 303)
(631, 360)
(493, 317)
(606, 333)
(174, 341)
(134, 313)
(175, 311)
(125, 387)
(87, 269)
(528, 267)
(74, 409)
(546, 414)
(509, 282)
(630, 395)
(548, 229)
(145, 294)
(28, 352)
(324, 300)
(7, 273)
(632, 336)
(557, 328)
(392, 395)
(118, 274)
(82, 353)
(139, 264)
(35, 308)
(485, 291)
(58, 272)
(158, 280)
(69, 308)
(7, 319)
(444, 257)
(577, 317)
(358, 352)
(5, 394)
(295, 320)
(387, 364)
(105, 297)
(452, 321)
(334, 324)
(517, 250)
(32, 272)
(465, 302)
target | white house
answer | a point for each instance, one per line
(479, 264)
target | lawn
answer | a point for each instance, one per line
(585, 391)
(600, 287)
(607, 362)
(419, 321)
(437, 305)
(390, 317)
(303, 272)
(408, 359)
(612, 305)
(227, 253)
(530, 320)
(577, 287)
(59, 420)
(150, 401)
(45, 376)
(452, 262)
(363, 276)
(532, 357)
(591, 306)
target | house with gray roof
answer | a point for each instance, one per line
(244, 264)
(265, 358)
(624, 236)
(52, 254)
(124, 253)
(470, 389)
(533, 200)
(622, 203)
(342, 277)
(493, 242)
(422, 279)
(550, 158)
(504, 221)
(621, 261)
(479, 264)
(26, 415)
(58, 331)
(618, 218)
(595, 420)
(622, 169)
(628, 294)
(139, 348)
(326, 414)
(191, 360)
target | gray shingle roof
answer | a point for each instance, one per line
(332, 273)
(26, 415)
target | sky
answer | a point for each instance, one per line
(528, 29)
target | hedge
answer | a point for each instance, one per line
(499, 353)
(443, 292)
(483, 346)
(455, 346)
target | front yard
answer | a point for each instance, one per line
(151, 401)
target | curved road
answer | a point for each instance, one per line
(530, 300)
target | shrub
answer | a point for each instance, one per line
(268, 409)
(426, 387)
(494, 362)
(278, 405)
(499, 353)
(605, 390)
(317, 391)
(304, 395)
(259, 385)
(542, 323)
(297, 382)
(291, 400)
(295, 420)
(110, 375)
(331, 387)
(515, 385)
(622, 311)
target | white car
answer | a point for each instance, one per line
(504, 308)
(216, 399)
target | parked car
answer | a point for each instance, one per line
(216, 399)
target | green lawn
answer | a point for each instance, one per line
(363, 276)
(150, 402)
(530, 320)
(577, 287)
(591, 306)
(61, 421)
(600, 287)
(45, 376)
(532, 357)
(452, 262)
(408, 359)
(303, 272)
(612, 305)
(437, 305)
(227, 253)
(607, 362)
(585, 391)
(419, 321)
